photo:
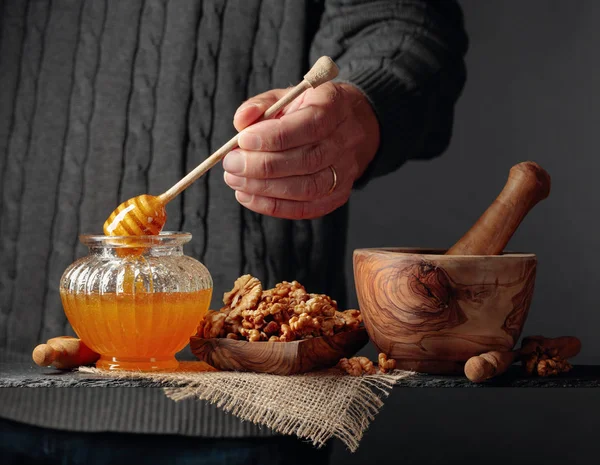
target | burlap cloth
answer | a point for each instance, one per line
(315, 406)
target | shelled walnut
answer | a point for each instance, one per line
(545, 362)
(284, 313)
(357, 366)
(386, 364)
(541, 356)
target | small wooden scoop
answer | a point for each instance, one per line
(527, 185)
(64, 353)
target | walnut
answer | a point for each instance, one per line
(232, 315)
(256, 322)
(287, 335)
(213, 324)
(386, 364)
(367, 365)
(246, 293)
(339, 322)
(253, 335)
(231, 327)
(271, 328)
(328, 326)
(350, 366)
(233, 336)
(357, 366)
(266, 308)
(304, 324)
(544, 362)
(200, 328)
(352, 319)
(318, 304)
(553, 366)
(274, 339)
(284, 313)
(298, 295)
(285, 290)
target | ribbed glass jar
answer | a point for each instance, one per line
(136, 300)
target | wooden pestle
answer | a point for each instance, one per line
(485, 366)
(527, 184)
(64, 353)
(146, 215)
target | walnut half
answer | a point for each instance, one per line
(357, 366)
(245, 294)
(386, 364)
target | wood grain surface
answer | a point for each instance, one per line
(279, 358)
(432, 312)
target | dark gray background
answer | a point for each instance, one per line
(531, 94)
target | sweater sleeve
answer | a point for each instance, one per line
(407, 57)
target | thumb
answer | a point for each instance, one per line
(253, 108)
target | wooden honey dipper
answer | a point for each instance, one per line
(64, 353)
(146, 214)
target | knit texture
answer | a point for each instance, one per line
(106, 99)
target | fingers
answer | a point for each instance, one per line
(301, 188)
(281, 167)
(252, 109)
(307, 159)
(291, 209)
(306, 125)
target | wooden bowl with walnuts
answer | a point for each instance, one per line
(284, 330)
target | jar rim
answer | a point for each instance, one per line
(163, 239)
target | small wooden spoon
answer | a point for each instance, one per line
(146, 215)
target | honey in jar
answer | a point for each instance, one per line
(136, 310)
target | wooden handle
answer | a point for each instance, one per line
(323, 70)
(488, 365)
(527, 185)
(64, 353)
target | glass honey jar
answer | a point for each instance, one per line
(136, 300)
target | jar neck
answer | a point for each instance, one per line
(121, 252)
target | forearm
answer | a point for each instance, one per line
(407, 58)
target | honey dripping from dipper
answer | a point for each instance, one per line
(140, 216)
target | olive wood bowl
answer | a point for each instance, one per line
(431, 312)
(278, 358)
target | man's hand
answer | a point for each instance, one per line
(282, 166)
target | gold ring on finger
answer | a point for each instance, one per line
(334, 184)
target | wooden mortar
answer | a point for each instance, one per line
(432, 311)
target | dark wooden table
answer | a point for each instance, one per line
(29, 375)
(491, 426)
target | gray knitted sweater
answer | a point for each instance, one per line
(106, 99)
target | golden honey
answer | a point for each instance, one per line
(136, 300)
(140, 216)
(136, 331)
